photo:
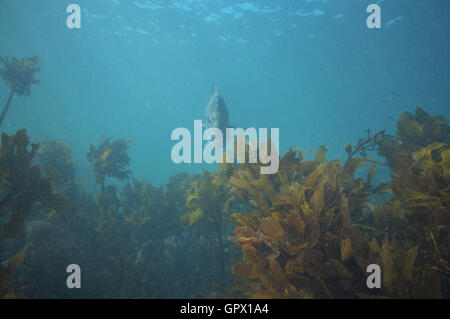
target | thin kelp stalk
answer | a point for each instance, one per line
(364, 145)
(19, 75)
(221, 259)
(5, 109)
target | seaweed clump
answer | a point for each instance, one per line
(19, 74)
(110, 159)
(144, 208)
(207, 204)
(8, 271)
(298, 240)
(414, 132)
(301, 237)
(422, 191)
(56, 156)
(422, 129)
(419, 159)
(22, 184)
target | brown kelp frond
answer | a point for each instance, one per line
(414, 132)
(19, 74)
(207, 200)
(110, 159)
(293, 168)
(23, 183)
(311, 236)
(422, 190)
(8, 271)
(422, 129)
(144, 206)
(297, 238)
(260, 191)
(56, 156)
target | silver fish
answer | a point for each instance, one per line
(216, 112)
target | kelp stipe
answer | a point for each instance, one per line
(19, 75)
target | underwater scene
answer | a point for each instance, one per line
(211, 149)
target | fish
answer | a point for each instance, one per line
(392, 96)
(216, 112)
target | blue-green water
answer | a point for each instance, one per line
(136, 70)
(139, 69)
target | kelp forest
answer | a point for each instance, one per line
(308, 231)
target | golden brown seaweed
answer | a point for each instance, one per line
(110, 159)
(23, 184)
